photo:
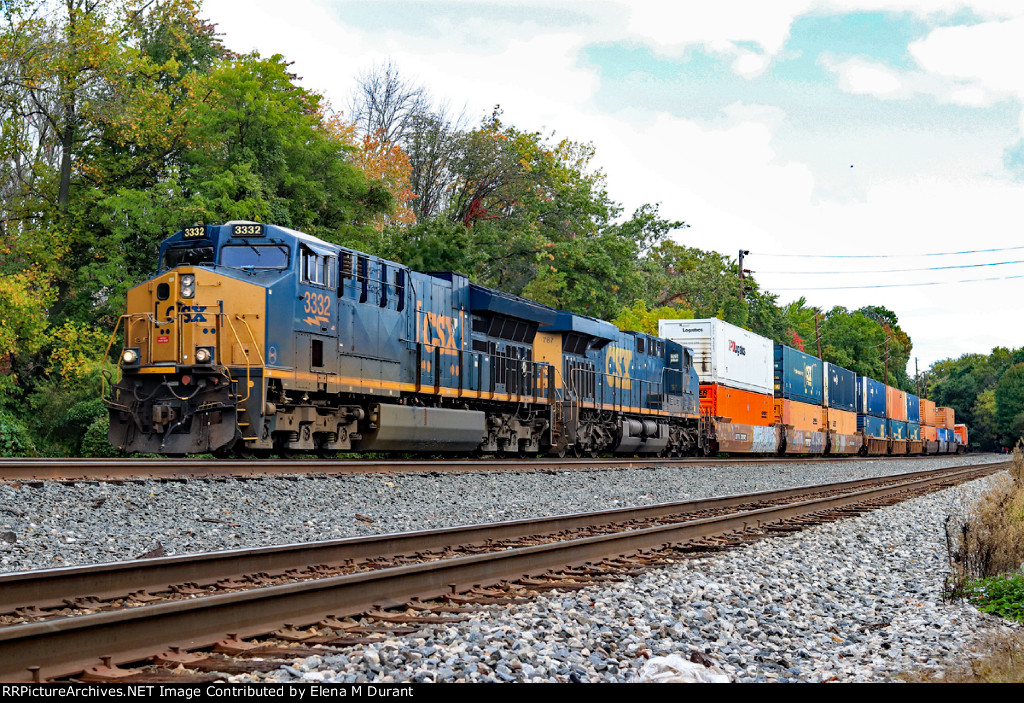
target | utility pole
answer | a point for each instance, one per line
(743, 287)
(887, 355)
(917, 378)
(817, 336)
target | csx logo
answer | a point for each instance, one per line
(189, 313)
(737, 349)
(619, 361)
(436, 329)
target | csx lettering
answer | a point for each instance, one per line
(619, 361)
(437, 330)
(189, 313)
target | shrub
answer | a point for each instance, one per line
(15, 439)
(95, 443)
(989, 540)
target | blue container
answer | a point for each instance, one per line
(913, 432)
(897, 429)
(871, 426)
(870, 397)
(798, 376)
(913, 408)
(944, 434)
(841, 388)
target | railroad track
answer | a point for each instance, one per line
(23, 469)
(64, 622)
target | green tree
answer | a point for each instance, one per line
(1009, 397)
(705, 282)
(639, 318)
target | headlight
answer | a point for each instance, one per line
(204, 355)
(130, 357)
(188, 286)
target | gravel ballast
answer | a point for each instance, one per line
(854, 600)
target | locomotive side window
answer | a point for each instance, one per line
(318, 269)
(312, 269)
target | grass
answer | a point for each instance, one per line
(1000, 595)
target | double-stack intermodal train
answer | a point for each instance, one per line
(255, 339)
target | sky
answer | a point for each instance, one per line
(891, 129)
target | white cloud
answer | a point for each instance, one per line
(864, 77)
(989, 55)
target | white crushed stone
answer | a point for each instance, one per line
(854, 600)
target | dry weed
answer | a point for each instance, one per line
(989, 539)
(1000, 659)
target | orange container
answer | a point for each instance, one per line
(928, 416)
(799, 416)
(841, 421)
(961, 432)
(895, 404)
(945, 418)
(929, 433)
(741, 407)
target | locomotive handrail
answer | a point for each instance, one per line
(617, 400)
(106, 355)
(241, 347)
(533, 371)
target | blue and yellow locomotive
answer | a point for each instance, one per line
(255, 338)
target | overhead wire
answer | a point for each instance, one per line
(900, 285)
(885, 256)
(929, 268)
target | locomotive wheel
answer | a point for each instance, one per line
(523, 452)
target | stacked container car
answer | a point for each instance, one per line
(937, 429)
(929, 430)
(945, 422)
(840, 410)
(798, 401)
(961, 436)
(734, 369)
(896, 419)
(871, 420)
(914, 443)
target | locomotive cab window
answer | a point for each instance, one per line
(255, 256)
(188, 256)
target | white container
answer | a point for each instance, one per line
(725, 354)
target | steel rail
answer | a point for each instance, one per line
(54, 587)
(66, 646)
(115, 469)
